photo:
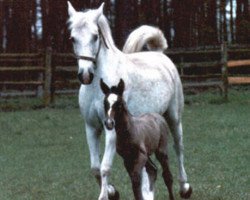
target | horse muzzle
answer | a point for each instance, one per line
(86, 78)
(109, 123)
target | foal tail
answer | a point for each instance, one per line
(150, 36)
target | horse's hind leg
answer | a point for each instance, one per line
(152, 172)
(149, 174)
(173, 117)
(166, 174)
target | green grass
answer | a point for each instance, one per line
(26, 103)
(44, 154)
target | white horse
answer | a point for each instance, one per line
(152, 85)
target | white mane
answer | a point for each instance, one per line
(145, 35)
(106, 31)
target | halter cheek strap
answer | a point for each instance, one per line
(92, 59)
(100, 33)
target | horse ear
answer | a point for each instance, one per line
(121, 87)
(104, 87)
(99, 11)
(71, 10)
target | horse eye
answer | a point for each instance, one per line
(95, 37)
(72, 39)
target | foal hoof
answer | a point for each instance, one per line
(185, 194)
(114, 195)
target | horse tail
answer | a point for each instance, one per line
(148, 36)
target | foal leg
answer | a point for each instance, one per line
(134, 169)
(173, 117)
(108, 191)
(166, 174)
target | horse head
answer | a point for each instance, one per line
(114, 105)
(86, 36)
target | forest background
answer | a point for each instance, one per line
(33, 25)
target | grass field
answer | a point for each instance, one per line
(44, 155)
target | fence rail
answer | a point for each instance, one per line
(48, 73)
(227, 66)
(237, 63)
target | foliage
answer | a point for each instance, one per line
(44, 154)
(42, 23)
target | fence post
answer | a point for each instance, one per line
(48, 76)
(181, 67)
(39, 89)
(224, 70)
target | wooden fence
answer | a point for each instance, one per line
(46, 74)
(41, 74)
(213, 67)
(14, 66)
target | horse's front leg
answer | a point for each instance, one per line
(93, 140)
(108, 192)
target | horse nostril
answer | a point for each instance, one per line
(109, 124)
(91, 76)
(80, 77)
(85, 78)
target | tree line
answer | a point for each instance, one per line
(33, 25)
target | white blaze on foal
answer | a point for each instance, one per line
(111, 100)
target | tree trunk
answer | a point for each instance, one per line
(1, 25)
(126, 16)
(231, 22)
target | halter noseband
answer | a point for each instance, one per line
(92, 59)
(85, 58)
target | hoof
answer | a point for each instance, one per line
(113, 193)
(115, 196)
(186, 194)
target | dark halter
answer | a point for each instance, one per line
(93, 59)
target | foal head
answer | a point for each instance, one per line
(114, 105)
(86, 38)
